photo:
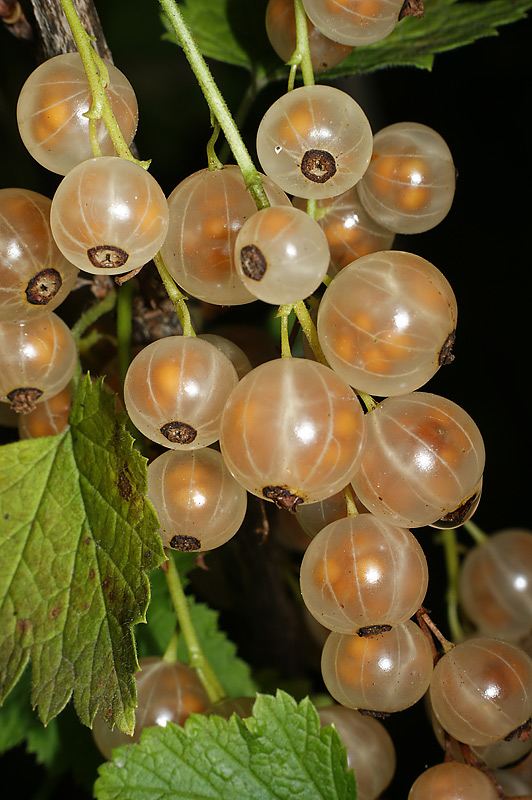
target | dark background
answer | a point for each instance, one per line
(478, 98)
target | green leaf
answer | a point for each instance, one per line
(277, 754)
(232, 672)
(234, 32)
(77, 535)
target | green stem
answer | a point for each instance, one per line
(176, 296)
(170, 654)
(216, 102)
(302, 52)
(312, 207)
(448, 537)
(98, 77)
(93, 314)
(124, 324)
(196, 656)
(309, 329)
(284, 313)
(212, 159)
(368, 400)
(92, 338)
(475, 532)
(352, 510)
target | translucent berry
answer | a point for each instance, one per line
(175, 390)
(166, 692)
(207, 210)
(199, 504)
(453, 781)
(313, 517)
(360, 572)
(369, 748)
(481, 690)
(409, 185)
(281, 30)
(424, 458)
(292, 432)
(109, 216)
(34, 276)
(350, 231)
(496, 584)
(281, 255)
(354, 22)
(37, 360)
(49, 417)
(387, 322)
(387, 672)
(234, 353)
(314, 142)
(51, 113)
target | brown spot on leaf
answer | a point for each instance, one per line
(54, 613)
(124, 486)
(92, 573)
(23, 625)
(87, 540)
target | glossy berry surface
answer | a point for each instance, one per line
(34, 276)
(314, 142)
(359, 572)
(496, 584)
(369, 747)
(409, 185)
(453, 781)
(175, 390)
(351, 232)
(281, 255)
(387, 322)
(199, 504)
(109, 216)
(354, 22)
(234, 353)
(281, 30)
(481, 690)
(292, 431)
(313, 517)
(424, 458)
(387, 672)
(207, 210)
(166, 692)
(51, 113)
(37, 360)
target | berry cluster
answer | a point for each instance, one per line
(302, 433)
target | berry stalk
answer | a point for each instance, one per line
(176, 296)
(216, 102)
(197, 659)
(301, 56)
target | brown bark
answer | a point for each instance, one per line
(52, 32)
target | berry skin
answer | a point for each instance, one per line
(34, 275)
(292, 431)
(453, 781)
(109, 216)
(314, 142)
(51, 113)
(354, 22)
(410, 182)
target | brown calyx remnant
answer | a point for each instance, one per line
(318, 166)
(179, 432)
(23, 400)
(253, 263)
(124, 485)
(378, 714)
(459, 515)
(43, 287)
(107, 256)
(126, 276)
(523, 732)
(446, 355)
(412, 8)
(185, 543)
(373, 630)
(282, 497)
(13, 17)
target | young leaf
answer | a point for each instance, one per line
(235, 33)
(77, 535)
(277, 754)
